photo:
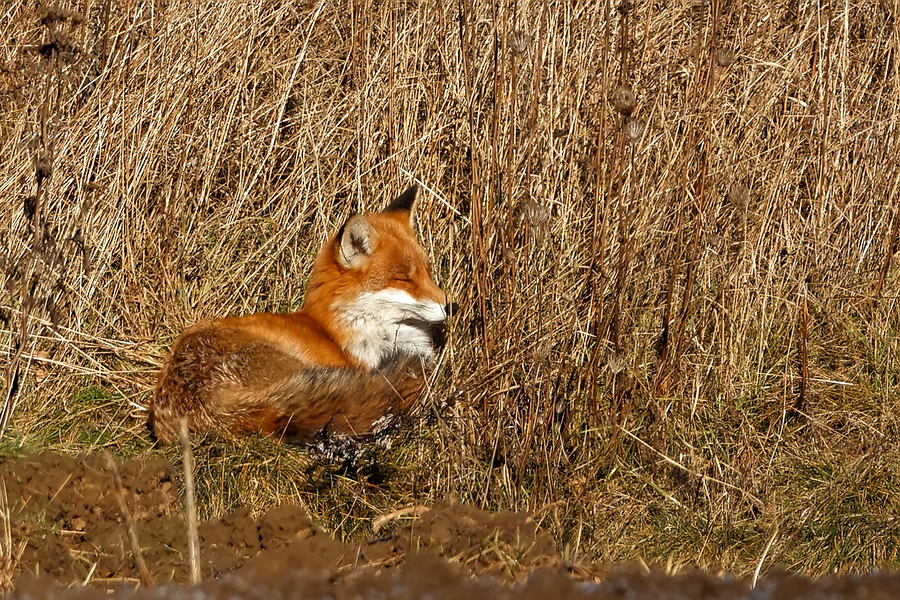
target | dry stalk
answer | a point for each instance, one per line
(620, 196)
(8, 558)
(801, 402)
(130, 523)
(382, 520)
(762, 558)
(190, 501)
(596, 261)
(43, 254)
(890, 251)
(479, 257)
(6, 533)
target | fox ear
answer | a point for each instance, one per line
(403, 202)
(354, 240)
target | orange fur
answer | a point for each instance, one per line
(353, 355)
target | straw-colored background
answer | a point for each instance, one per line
(678, 329)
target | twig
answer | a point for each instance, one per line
(381, 521)
(90, 574)
(6, 545)
(190, 501)
(146, 579)
(763, 558)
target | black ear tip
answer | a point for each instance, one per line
(404, 201)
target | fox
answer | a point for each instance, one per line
(349, 362)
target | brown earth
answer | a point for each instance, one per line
(67, 537)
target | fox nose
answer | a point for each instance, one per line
(451, 309)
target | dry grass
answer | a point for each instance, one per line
(679, 330)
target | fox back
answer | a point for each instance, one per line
(348, 362)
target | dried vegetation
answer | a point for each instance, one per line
(671, 227)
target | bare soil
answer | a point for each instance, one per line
(68, 537)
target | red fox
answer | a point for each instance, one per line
(346, 364)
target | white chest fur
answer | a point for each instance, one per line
(390, 322)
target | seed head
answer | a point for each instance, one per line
(714, 238)
(634, 129)
(43, 168)
(536, 218)
(623, 99)
(49, 15)
(724, 57)
(617, 363)
(520, 41)
(739, 195)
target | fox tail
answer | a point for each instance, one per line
(305, 407)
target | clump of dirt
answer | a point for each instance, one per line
(67, 524)
(68, 539)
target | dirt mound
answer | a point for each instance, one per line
(423, 576)
(66, 529)
(66, 524)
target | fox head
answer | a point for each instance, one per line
(371, 288)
